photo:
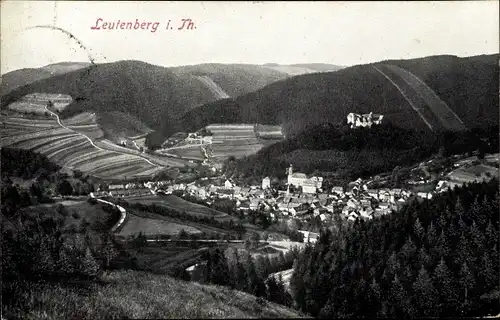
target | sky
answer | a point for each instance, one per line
(341, 33)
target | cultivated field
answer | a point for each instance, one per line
(223, 151)
(185, 223)
(74, 145)
(176, 203)
(152, 227)
(189, 152)
(476, 173)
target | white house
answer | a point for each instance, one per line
(228, 184)
(266, 183)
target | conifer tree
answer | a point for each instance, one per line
(418, 230)
(447, 295)
(399, 297)
(467, 282)
(89, 266)
(424, 294)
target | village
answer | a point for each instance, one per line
(305, 198)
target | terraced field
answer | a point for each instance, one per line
(73, 145)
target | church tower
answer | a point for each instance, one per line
(290, 172)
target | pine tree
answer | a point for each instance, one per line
(418, 230)
(446, 293)
(488, 273)
(393, 265)
(467, 282)
(442, 247)
(399, 296)
(423, 258)
(459, 208)
(374, 298)
(217, 268)
(408, 250)
(89, 266)
(45, 262)
(424, 294)
(109, 251)
(431, 235)
(66, 263)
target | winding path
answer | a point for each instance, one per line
(123, 213)
(92, 142)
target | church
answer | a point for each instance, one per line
(309, 185)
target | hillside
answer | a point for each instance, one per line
(469, 86)
(18, 78)
(139, 295)
(154, 95)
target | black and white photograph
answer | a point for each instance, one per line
(253, 159)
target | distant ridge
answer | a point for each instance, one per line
(468, 86)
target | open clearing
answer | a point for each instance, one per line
(152, 227)
(476, 173)
(179, 204)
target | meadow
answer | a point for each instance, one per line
(179, 204)
(152, 227)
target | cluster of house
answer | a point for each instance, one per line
(358, 201)
(123, 190)
(364, 120)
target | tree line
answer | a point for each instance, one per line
(438, 257)
(238, 270)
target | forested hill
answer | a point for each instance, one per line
(468, 85)
(435, 258)
(351, 153)
(157, 96)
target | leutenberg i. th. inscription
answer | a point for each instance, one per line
(137, 24)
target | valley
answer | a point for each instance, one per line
(233, 181)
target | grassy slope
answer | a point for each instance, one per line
(468, 85)
(140, 295)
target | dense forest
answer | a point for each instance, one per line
(436, 257)
(25, 163)
(41, 179)
(350, 153)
